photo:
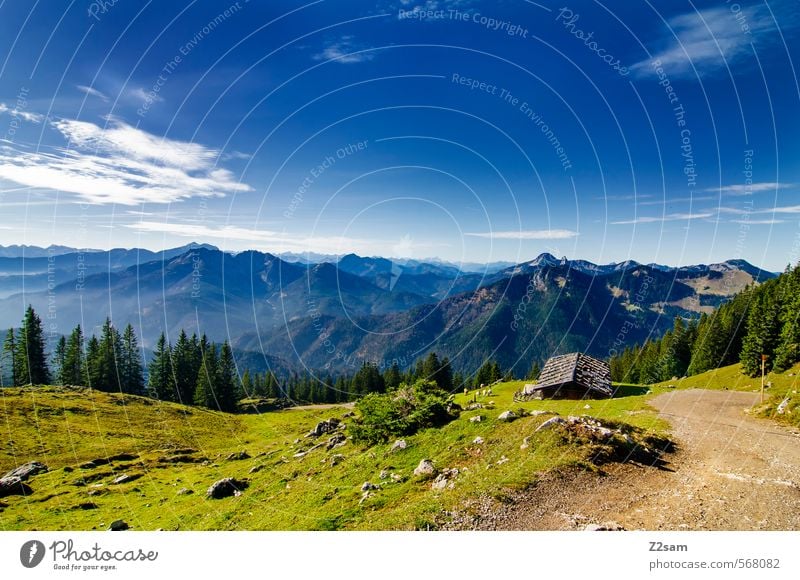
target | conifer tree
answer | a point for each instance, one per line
(10, 350)
(160, 384)
(131, 372)
(73, 371)
(31, 360)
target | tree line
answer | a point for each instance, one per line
(196, 371)
(760, 320)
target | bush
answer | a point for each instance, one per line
(403, 411)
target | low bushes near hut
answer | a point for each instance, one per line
(403, 411)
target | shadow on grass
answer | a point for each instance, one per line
(629, 391)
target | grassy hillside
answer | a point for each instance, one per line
(65, 428)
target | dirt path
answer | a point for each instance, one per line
(731, 472)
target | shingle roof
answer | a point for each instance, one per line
(582, 369)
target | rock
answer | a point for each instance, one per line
(348, 415)
(445, 479)
(604, 527)
(525, 443)
(14, 486)
(476, 419)
(336, 459)
(587, 406)
(474, 406)
(398, 445)
(257, 468)
(300, 454)
(127, 478)
(225, 488)
(238, 456)
(540, 412)
(123, 457)
(27, 470)
(95, 463)
(671, 386)
(118, 526)
(185, 491)
(323, 427)
(477, 441)
(503, 459)
(425, 469)
(550, 423)
(87, 505)
(781, 409)
(368, 486)
(337, 440)
(397, 478)
(97, 491)
(179, 458)
(383, 474)
(68, 469)
(507, 416)
(364, 497)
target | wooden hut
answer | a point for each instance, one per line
(570, 376)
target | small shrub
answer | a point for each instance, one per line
(403, 411)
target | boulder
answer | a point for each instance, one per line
(551, 423)
(507, 416)
(127, 478)
(336, 459)
(474, 406)
(179, 458)
(87, 505)
(368, 486)
(337, 440)
(14, 486)
(398, 445)
(478, 441)
(425, 469)
(27, 470)
(323, 427)
(445, 479)
(185, 491)
(118, 526)
(540, 412)
(476, 419)
(526, 442)
(225, 488)
(238, 456)
(257, 468)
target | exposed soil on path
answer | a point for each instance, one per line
(730, 472)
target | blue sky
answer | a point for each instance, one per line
(476, 131)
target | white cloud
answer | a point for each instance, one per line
(781, 209)
(24, 115)
(139, 94)
(742, 189)
(673, 217)
(758, 222)
(92, 92)
(260, 239)
(120, 164)
(344, 51)
(707, 40)
(527, 235)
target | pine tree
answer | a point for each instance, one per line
(59, 357)
(73, 371)
(106, 358)
(93, 371)
(205, 391)
(185, 365)
(392, 377)
(763, 330)
(131, 372)
(31, 359)
(160, 384)
(10, 350)
(227, 380)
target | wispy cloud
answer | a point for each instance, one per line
(744, 189)
(526, 235)
(673, 217)
(624, 197)
(141, 95)
(120, 164)
(674, 200)
(24, 115)
(791, 209)
(344, 51)
(261, 239)
(92, 92)
(706, 40)
(759, 222)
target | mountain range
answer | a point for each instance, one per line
(338, 312)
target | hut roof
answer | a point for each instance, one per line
(581, 369)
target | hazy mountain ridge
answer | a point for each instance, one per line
(338, 315)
